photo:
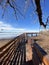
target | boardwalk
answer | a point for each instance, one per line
(23, 50)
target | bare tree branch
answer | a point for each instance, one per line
(13, 5)
(39, 12)
(4, 10)
(8, 1)
(47, 22)
(27, 3)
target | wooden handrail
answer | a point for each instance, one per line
(46, 60)
(44, 57)
(7, 52)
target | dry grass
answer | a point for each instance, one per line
(44, 41)
(4, 42)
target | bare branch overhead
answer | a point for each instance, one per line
(13, 5)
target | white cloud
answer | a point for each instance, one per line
(8, 28)
(5, 26)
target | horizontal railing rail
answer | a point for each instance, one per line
(44, 57)
(11, 51)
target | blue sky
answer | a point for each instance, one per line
(28, 23)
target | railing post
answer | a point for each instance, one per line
(25, 36)
(31, 35)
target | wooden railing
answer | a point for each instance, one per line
(40, 57)
(13, 53)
